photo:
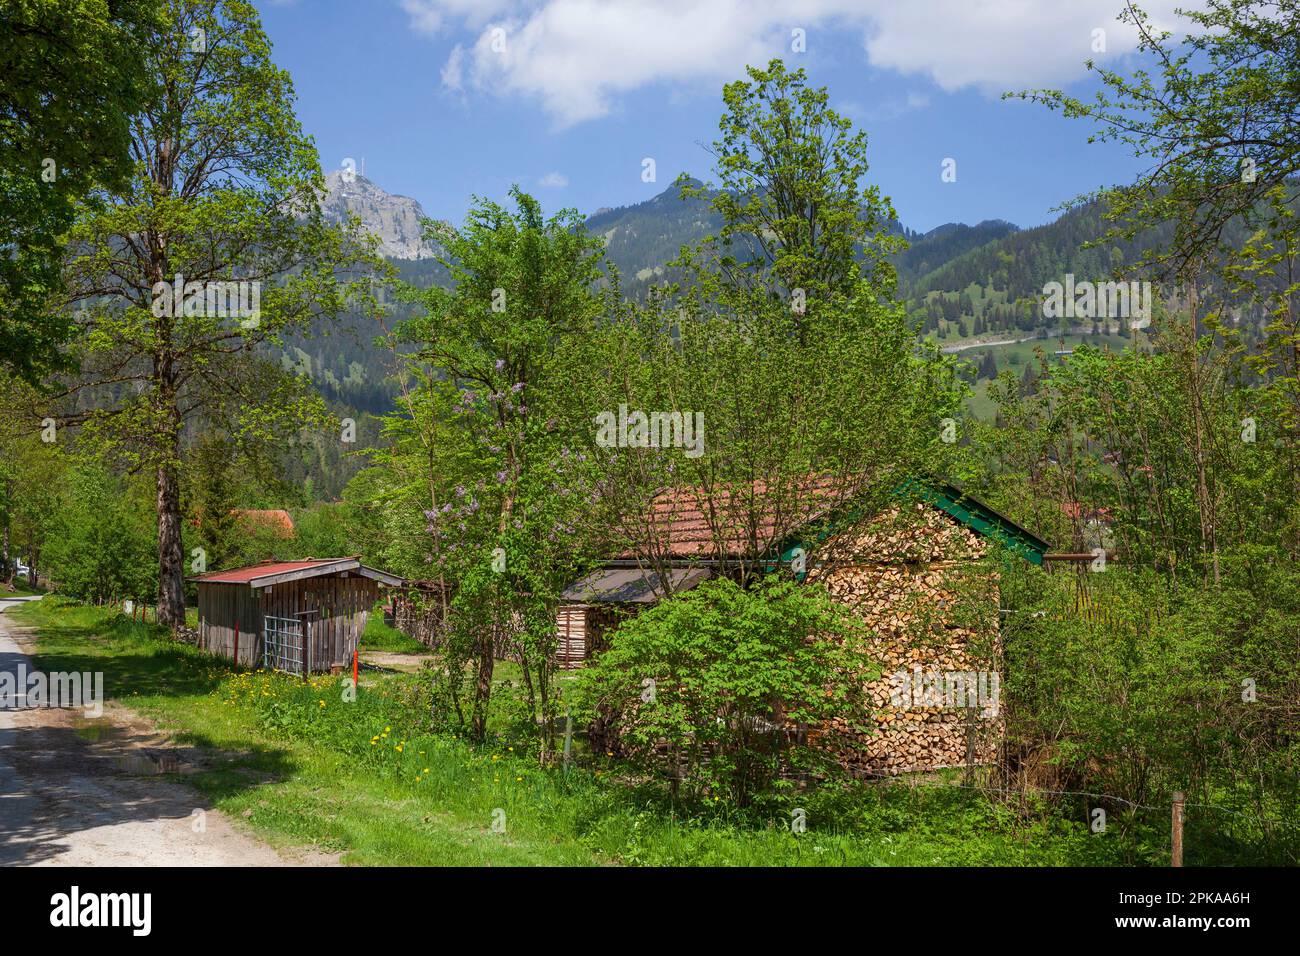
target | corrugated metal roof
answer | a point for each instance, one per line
(272, 568)
(630, 586)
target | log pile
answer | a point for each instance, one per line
(906, 574)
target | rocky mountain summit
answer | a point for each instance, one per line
(394, 219)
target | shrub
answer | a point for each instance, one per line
(715, 688)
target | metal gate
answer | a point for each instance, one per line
(286, 643)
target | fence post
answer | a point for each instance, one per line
(1176, 856)
(568, 740)
(306, 650)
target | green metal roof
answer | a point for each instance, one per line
(948, 498)
(977, 516)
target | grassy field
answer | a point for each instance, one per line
(301, 765)
(1016, 356)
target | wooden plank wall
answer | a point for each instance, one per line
(571, 636)
(342, 606)
(346, 604)
(582, 630)
(220, 607)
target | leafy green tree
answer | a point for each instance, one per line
(101, 546)
(74, 78)
(795, 215)
(225, 191)
(323, 531)
(1162, 688)
(522, 284)
(784, 344)
(1215, 117)
(31, 479)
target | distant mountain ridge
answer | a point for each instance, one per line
(639, 238)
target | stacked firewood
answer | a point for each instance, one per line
(907, 575)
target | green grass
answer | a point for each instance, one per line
(378, 636)
(300, 765)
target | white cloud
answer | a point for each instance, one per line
(425, 15)
(998, 45)
(577, 57)
(890, 108)
(428, 16)
(453, 70)
(555, 180)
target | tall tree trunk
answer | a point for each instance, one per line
(171, 552)
(8, 562)
(171, 582)
(1204, 498)
(483, 680)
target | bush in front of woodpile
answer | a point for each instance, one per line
(709, 690)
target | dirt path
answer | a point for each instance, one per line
(388, 660)
(81, 791)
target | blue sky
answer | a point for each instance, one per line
(445, 99)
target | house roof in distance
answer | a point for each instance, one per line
(278, 572)
(275, 518)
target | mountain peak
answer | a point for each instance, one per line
(394, 219)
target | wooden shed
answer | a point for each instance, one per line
(593, 606)
(297, 616)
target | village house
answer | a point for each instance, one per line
(903, 569)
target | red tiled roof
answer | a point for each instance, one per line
(749, 522)
(1074, 509)
(276, 518)
(244, 575)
